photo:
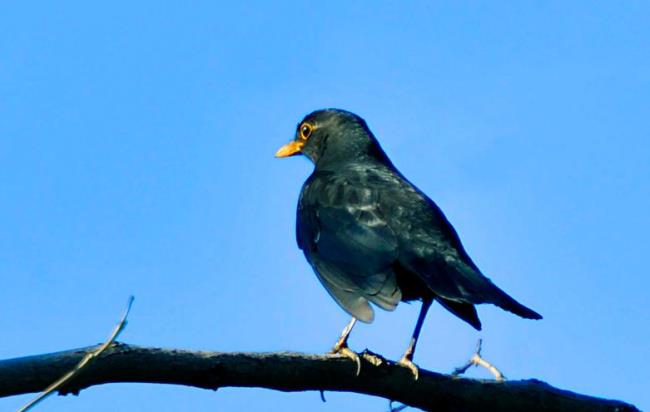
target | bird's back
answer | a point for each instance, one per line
(366, 224)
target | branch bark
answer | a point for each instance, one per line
(291, 372)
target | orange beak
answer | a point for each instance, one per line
(290, 149)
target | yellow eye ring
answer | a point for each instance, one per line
(305, 131)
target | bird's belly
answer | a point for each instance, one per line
(412, 287)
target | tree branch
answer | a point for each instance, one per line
(90, 356)
(291, 372)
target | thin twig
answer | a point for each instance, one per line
(477, 360)
(462, 369)
(84, 361)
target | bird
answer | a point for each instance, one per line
(372, 237)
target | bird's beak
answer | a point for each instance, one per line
(290, 149)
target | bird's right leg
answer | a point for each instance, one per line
(407, 359)
(341, 346)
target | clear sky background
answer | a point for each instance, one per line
(136, 157)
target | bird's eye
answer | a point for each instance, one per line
(305, 131)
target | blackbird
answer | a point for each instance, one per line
(371, 236)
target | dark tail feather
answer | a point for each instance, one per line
(465, 311)
(477, 288)
(508, 303)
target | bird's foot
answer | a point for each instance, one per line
(408, 363)
(341, 348)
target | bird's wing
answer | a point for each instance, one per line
(349, 244)
(431, 248)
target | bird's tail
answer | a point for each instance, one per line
(465, 311)
(484, 290)
(506, 302)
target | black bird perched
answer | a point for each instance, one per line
(372, 236)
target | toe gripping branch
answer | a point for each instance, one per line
(350, 354)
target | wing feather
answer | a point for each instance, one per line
(349, 244)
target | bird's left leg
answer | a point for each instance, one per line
(341, 346)
(407, 359)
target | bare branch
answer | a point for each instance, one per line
(291, 372)
(83, 362)
(478, 360)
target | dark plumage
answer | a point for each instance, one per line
(372, 236)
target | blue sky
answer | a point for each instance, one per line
(136, 153)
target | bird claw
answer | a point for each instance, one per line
(343, 350)
(407, 363)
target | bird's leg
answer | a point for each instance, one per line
(341, 346)
(407, 359)
(343, 340)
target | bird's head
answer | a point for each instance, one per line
(332, 136)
